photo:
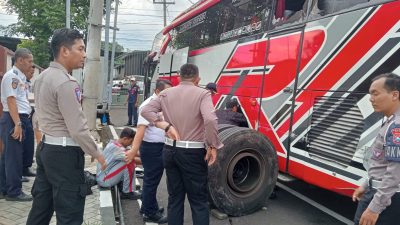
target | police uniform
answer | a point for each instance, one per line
(60, 185)
(190, 110)
(13, 85)
(383, 186)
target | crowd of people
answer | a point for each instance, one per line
(177, 131)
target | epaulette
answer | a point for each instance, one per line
(15, 72)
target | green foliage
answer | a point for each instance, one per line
(118, 47)
(37, 19)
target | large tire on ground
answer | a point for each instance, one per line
(245, 172)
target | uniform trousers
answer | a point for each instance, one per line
(389, 216)
(117, 173)
(187, 173)
(16, 154)
(152, 161)
(2, 163)
(132, 114)
(59, 186)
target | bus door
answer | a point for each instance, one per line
(281, 68)
(170, 63)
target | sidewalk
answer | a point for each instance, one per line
(16, 213)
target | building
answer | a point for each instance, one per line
(132, 64)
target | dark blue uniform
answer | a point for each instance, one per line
(133, 92)
(13, 85)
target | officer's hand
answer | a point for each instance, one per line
(173, 134)
(136, 104)
(211, 156)
(369, 217)
(17, 133)
(358, 193)
(102, 162)
(130, 156)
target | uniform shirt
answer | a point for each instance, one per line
(58, 107)
(227, 116)
(152, 133)
(14, 85)
(384, 164)
(190, 110)
(113, 154)
(133, 92)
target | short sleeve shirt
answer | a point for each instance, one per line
(133, 92)
(152, 133)
(14, 85)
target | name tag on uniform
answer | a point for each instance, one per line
(392, 146)
(392, 153)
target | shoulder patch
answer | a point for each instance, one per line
(14, 83)
(392, 142)
(78, 94)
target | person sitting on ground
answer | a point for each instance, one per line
(230, 115)
(117, 169)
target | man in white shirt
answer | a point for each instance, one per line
(150, 141)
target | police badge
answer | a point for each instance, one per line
(14, 83)
(392, 147)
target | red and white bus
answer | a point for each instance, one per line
(300, 70)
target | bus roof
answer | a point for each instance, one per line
(189, 13)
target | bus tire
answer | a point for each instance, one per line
(245, 172)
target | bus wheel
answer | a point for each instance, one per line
(245, 173)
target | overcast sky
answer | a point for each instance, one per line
(138, 20)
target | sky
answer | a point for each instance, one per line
(138, 21)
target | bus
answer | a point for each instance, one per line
(301, 71)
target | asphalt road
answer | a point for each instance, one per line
(286, 209)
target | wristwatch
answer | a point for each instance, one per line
(167, 128)
(19, 124)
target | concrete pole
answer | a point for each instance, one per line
(92, 68)
(68, 14)
(113, 50)
(106, 70)
(165, 12)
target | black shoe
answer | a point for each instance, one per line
(131, 195)
(28, 173)
(2, 195)
(156, 218)
(128, 124)
(24, 179)
(160, 210)
(20, 198)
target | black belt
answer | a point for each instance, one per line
(24, 115)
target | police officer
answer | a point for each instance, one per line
(379, 196)
(191, 125)
(17, 132)
(60, 185)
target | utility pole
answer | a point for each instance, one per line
(92, 68)
(68, 14)
(113, 50)
(164, 3)
(106, 70)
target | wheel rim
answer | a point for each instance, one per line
(244, 173)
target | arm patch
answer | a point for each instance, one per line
(392, 143)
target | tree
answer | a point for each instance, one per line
(37, 19)
(118, 47)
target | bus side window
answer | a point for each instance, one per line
(327, 7)
(289, 12)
